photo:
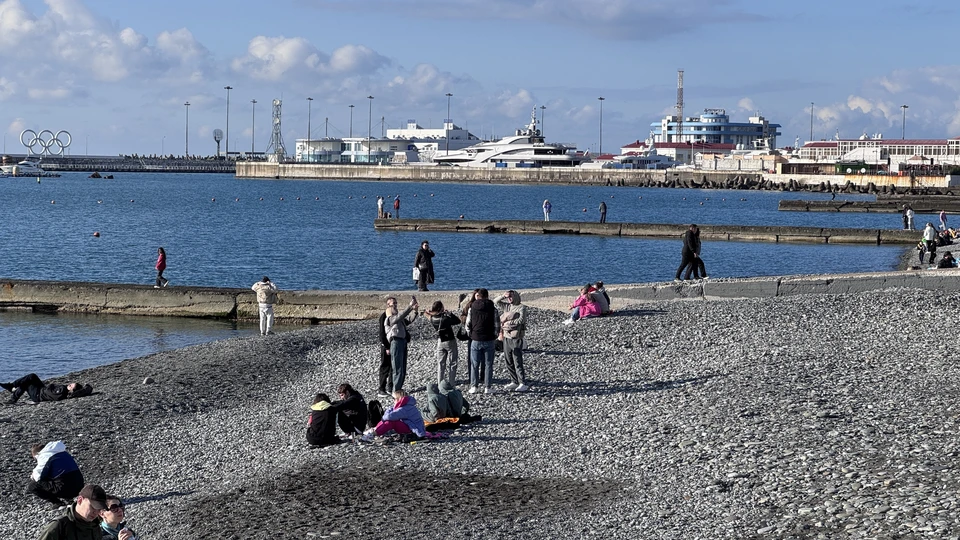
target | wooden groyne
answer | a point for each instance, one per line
(663, 231)
(920, 205)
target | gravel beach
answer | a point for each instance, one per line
(818, 416)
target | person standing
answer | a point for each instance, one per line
(81, 520)
(395, 327)
(943, 220)
(385, 373)
(56, 476)
(424, 263)
(396, 207)
(483, 326)
(603, 212)
(929, 241)
(688, 254)
(513, 325)
(161, 266)
(904, 217)
(910, 215)
(444, 322)
(546, 209)
(379, 206)
(266, 297)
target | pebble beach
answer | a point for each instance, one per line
(815, 416)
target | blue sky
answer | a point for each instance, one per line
(115, 73)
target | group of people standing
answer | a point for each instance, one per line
(382, 214)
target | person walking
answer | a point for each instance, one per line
(395, 327)
(424, 263)
(688, 254)
(266, 297)
(513, 326)
(483, 326)
(943, 220)
(161, 266)
(396, 207)
(546, 209)
(603, 212)
(929, 241)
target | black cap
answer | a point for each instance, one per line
(94, 493)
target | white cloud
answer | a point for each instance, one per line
(273, 58)
(746, 104)
(8, 88)
(48, 94)
(515, 104)
(17, 126)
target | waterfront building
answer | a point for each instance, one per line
(891, 155)
(714, 127)
(405, 145)
(427, 142)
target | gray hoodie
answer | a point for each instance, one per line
(513, 321)
(454, 398)
(438, 406)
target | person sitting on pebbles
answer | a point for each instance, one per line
(402, 418)
(56, 476)
(37, 391)
(351, 410)
(438, 406)
(584, 307)
(322, 424)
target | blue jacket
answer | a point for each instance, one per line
(405, 410)
(53, 461)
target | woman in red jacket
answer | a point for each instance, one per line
(161, 266)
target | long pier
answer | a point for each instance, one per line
(921, 205)
(662, 231)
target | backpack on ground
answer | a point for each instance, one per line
(374, 413)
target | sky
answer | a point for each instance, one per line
(115, 74)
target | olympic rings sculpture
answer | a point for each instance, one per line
(45, 140)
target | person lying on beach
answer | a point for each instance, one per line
(56, 476)
(112, 521)
(402, 418)
(351, 410)
(322, 424)
(438, 406)
(37, 391)
(583, 307)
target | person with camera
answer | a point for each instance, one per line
(395, 329)
(444, 322)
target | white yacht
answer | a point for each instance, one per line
(27, 167)
(525, 149)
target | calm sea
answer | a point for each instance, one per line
(225, 232)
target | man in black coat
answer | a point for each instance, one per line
(37, 391)
(689, 253)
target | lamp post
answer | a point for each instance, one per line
(543, 108)
(903, 121)
(351, 120)
(226, 154)
(449, 95)
(309, 105)
(253, 127)
(600, 146)
(811, 121)
(369, 126)
(186, 131)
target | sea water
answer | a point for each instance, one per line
(226, 232)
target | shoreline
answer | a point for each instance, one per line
(743, 418)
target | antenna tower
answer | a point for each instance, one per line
(275, 151)
(680, 105)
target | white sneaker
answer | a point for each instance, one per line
(510, 387)
(568, 322)
(488, 390)
(522, 388)
(367, 437)
(156, 286)
(472, 390)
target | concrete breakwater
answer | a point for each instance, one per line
(885, 205)
(736, 233)
(317, 306)
(670, 178)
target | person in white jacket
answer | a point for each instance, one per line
(56, 476)
(266, 296)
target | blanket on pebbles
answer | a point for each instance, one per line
(809, 416)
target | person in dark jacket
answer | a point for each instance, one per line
(81, 520)
(447, 349)
(483, 326)
(112, 524)
(322, 424)
(37, 391)
(689, 253)
(424, 262)
(351, 410)
(603, 212)
(56, 476)
(385, 372)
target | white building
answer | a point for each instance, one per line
(893, 154)
(429, 142)
(714, 127)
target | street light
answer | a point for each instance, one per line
(186, 131)
(600, 146)
(903, 121)
(369, 126)
(449, 95)
(253, 127)
(309, 104)
(351, 120)
(542, 109)
(811, 121)
(226, 153)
